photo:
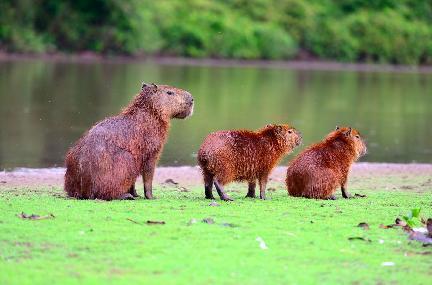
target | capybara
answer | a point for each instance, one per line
(321, 168)
(242, 155)
(105, 162)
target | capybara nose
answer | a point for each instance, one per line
(190, 100)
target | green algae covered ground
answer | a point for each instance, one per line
(283, 240)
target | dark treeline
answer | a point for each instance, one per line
(384, 31)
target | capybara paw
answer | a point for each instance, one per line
(250, 196)
(226, 198)
(211, 197)
(127, 196)
(332, 197)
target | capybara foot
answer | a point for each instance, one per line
(226, 198)
(250, 195)
(346, 195)
(133, 192)
(331, 197)
(149, 195)
(211, 197)
(127, 196)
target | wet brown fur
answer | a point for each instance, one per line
(105, 162)
(242, 155)
(323, 167)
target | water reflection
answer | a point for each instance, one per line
(46, 106)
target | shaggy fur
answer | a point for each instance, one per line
(242, 155)
(323, 167)
(106, 161)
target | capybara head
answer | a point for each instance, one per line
(286, 136)
(172, 101)
(353, 137)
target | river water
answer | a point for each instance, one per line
(46, 105)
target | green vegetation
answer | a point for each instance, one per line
(384, 31)
(308, 241)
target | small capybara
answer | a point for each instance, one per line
(105, 162)
(242, 155)
(321, 168)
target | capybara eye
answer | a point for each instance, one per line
(357, 136)
(170, 92)
(289, 131)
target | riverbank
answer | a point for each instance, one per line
(383, 176)
(311, 63)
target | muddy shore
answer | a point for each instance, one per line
(386, 176)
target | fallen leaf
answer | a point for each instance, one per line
(388, 263)
(214, 204)
(400, 222)
(418, 236)
(183, 189)
(359, 238)
(155, 222)
(382, 226)
(363, 225)
(191, 222)
(208, 221)
(133, 221)
(229, 225)
(171, 181)
(35, 217)
(262, 244)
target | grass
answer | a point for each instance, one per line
(90, 242)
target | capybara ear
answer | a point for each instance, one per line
(143, 85)
(337, 128)
(348, 133)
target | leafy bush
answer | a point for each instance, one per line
(348, 30)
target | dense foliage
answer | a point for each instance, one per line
(394, 31)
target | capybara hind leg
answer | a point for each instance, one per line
(132, 191)
(126, 196)
(251, 189)
(263, 184)
(221, 192)
(345, 192)
(208, 186)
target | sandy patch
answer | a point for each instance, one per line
(364, 175)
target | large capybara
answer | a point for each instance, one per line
(323, 167)
(106, 161)
(242, 155)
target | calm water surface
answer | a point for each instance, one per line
(45, 106)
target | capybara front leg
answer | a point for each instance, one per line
(345, 192)
(251, 189)
(132, 191)
(331, 197)
(263, 184)
(147, 175)
(221, 192)
(208, 186)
